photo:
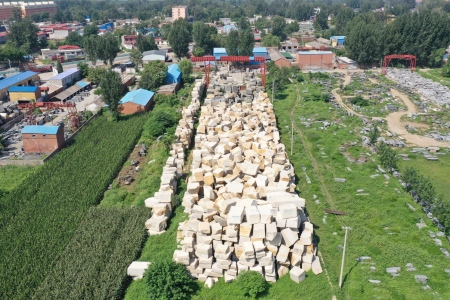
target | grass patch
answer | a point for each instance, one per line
(435, 75)
(12, 176)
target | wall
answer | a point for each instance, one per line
(25, 82)
(16, 96)
(130, 108)
(282, 63)
(43, 143)
(315, 61)
(6, 12)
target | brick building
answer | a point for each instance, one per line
(42, 139)
(136, 101)
(279, 59)
(315, 60)
(24, 93)
(128, 41)
(179, 12)
(27, 8)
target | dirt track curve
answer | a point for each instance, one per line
(394, 119)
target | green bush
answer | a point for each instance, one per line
(160, 122)
(168, 280)
(359, 100)
(252, 284)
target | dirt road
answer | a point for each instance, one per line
(394, 119)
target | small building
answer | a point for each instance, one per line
(106, 27)
(66, 78)
(128, 41)
(173, 74)
(179, 12)
(338, 40)
(279, 59)
(315, 60)
(324, 41)
(152, 55)
(67, 51)
(22, 79)
(24, 93)
(317, 45)
(60, 33)
(227, 29)
(346, 63)
(136, 101)
(42, 139)
(219, 52)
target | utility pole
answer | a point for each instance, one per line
(292, 136)
(343, 255)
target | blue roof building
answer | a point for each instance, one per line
(23, 89)
(257, 51)
(66, 78)
(338, 40)
(40, 129)
(136, 101)
(42, 139)
(24, 78)
(218, 52)
(228, 28)
(173, 74)
(107, 26)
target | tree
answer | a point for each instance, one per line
(243, 24)
(153, 76)
(374, 134)
(446, 69)
(179, 37)
(16, 14)
(202, 38)
(292, 27)
(107, 48)
(145, 43)
(23, 35)
(111, 91)
(166, 279)
(321, 22)
(59, 67)
(388, 157)
(90, 30)
(344, 15)
(136, 57)
(271, 40)
(251, 283)
(84, 69)
(96, 74)
(74, 39)
(441, 210)
(246, 42)
(232, 43)
(90, 47)
(278, 27)
(185, 66)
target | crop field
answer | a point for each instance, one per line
(40, 218)
(93, 266)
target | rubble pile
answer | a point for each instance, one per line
(163, 200)
(243, 211)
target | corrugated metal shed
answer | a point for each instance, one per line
(139, 96)
(39, 129)
(7, 82)
(261, 50)
(173, 74)
(65, 74)
(314, 52)
(23, 89)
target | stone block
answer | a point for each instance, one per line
(289, 237)
(149, 202)
(245, 230)
(297, 274)
(282, 270)
(316, 267)
(283, 253)
(265, 212)
(235, 215)
(288, 211)
(137, 269)
(259, 231)
(271, 231)
(252, 214)
(197, 174)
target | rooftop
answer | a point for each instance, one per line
(25, 89)
(7, 82)
(139, 96)
(314, 52)
(65, 74)
(39, 129)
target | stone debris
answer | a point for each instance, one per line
(137, 269)
(421, 278)
(374, 281)
(243, 211)
(410, 267)
(394, 271)
(162, 201)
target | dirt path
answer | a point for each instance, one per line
(394, 122)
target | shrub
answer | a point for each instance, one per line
(359, 100)
(168, 280)
(252, 284)
(159, 122)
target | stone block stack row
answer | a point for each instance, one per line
(162, 202)
(243, 211)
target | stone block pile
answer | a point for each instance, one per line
(243, 211)
(162, 202)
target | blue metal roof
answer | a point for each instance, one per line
(337, 37)
(173, 74)
(23, 89)
(40, 129)
(82, 83)
(65, 74)
(218, 51)
(7, 82)
(139, 96)
(259, 50)
(314, 52)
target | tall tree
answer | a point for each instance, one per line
(278, 27)
(16, 14)
(153, 76)
(232, 43)
(201, 34)
(243, 24)
(74, 39)
(90, 30)
(111, 90)
(90, 47)
(321, 22)
(23, 35)
(185, 66)
(179, 37)
(59, 67)
(271, 41)
(136, 57)
(84, 69)
(246, 42)
(344, 16)
(107, 48)
(145, 43)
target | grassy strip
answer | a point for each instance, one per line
(94, 264)
(436, 76)
(39, 219)
(383, 226)
(11, 176)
